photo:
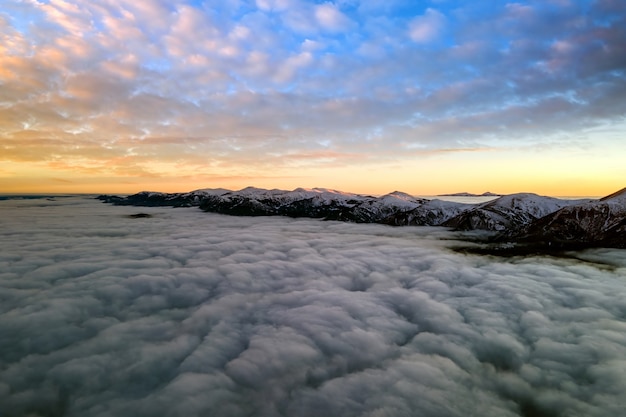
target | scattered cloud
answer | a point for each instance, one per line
(428, 27)
(187, 313)
(331, 18)
(271, 69)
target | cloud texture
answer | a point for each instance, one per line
(190, 313)
(233, 88)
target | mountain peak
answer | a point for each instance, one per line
(400, 195)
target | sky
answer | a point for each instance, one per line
(368, 96)
(190, 313)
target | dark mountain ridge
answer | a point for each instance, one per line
(517, 219)
(593, 223)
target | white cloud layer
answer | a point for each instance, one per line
(189, 313)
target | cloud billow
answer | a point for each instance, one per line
(190, 313)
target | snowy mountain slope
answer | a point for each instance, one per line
(429, 213)
(154, 199)
(301, 202)
(508, 212)
(376, 209)
(316, 203)
(297, 203)
(617, 200)
(601, 222)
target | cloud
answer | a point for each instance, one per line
(187, 312)
(69, 16)
(427, 27)
(287, 74)
(331, 18)
(292, 65)
(273, 5)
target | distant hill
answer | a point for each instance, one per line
(466, 194)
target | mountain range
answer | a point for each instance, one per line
(525, 219)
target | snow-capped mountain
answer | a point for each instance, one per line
(508, 212)
(316, 203)
(429, 213)
(396, 208)
(599, 222)
(523, 217)
(156, 199)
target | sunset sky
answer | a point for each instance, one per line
(365, 96)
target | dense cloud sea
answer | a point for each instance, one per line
(188, 313)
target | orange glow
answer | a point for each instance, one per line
(418, 177)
